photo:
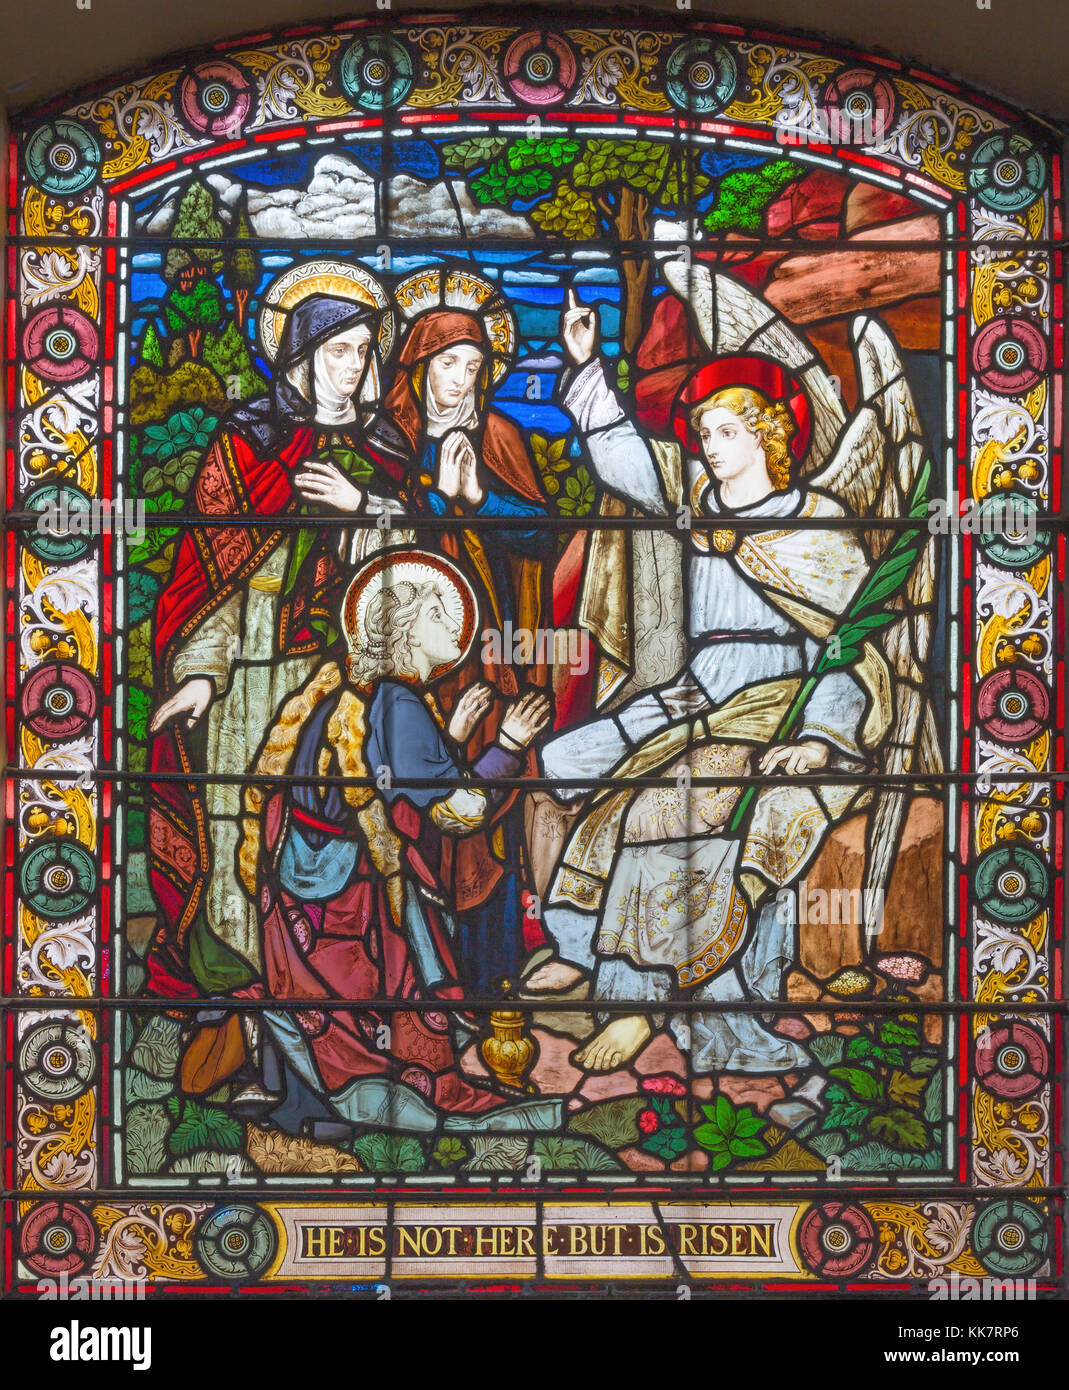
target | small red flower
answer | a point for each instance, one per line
(664, 1086)
(648, 1122)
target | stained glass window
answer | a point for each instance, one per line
(535, 671)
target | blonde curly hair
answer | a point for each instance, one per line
(771, 421)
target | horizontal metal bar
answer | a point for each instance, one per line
(460, 246)
(26, 519)
(546, 1003)
(544, 1196)
(905, 780)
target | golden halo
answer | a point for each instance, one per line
(339, 279)
(424, 290)
(415, 567)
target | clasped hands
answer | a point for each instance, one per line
(523, 721)
(458, 470)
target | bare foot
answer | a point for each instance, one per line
(615, 1044)
(556, 975)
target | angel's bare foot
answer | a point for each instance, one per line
(556, 975)
(615, 1044)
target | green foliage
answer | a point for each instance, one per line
(578, 496)
(198, 308)
(138, 708)
(559, 1154)
(730, 1132)
(151, 350)
(611, 1122)
(744, 194)
(883, 1090)
(203, 1127)
(141, 595)
(390, 1153)
(449, 1152)
(181, 430)
(195, 219)
(464, 155)
(228, 355)
(523, 170)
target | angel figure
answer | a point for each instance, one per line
(805, 651)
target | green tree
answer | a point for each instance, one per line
(582, 189)
(151, 352)
(191, 312)
(228, 355)
(586, 189)
(195, 221)
(241, 272)
(744, 194)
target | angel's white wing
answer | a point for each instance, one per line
(875, 470)
(733, 319)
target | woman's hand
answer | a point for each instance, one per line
(457, 469)
(524, 720)
(326, 483)
(191, 698)
(470, 709)
(578, 330)
(795, 758)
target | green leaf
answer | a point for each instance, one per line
(747, 1148)
(721, 1159)
(899, 1128)
(862, 1083)
(449, 1151)
(748, 1124)
(892, 1032)
(725, 1115)
(709, 1136)
(138, 709)
(666, 1143)
(846, 1115)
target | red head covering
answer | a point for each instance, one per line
(503, 449)
(430, 334)
(757, 373)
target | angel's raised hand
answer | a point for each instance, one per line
(578, 330)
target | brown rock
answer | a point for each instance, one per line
(640, 1161)
(809, 286)
(553, 1073)
(868, 205)
(758, 1091)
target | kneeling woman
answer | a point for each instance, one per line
(347, 876)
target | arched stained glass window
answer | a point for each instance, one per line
(535, 680)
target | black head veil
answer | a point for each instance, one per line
(268, 420)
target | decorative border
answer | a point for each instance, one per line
(992, 173)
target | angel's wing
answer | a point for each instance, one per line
(732, 319)
(875, 471)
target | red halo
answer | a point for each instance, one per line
(758, 373)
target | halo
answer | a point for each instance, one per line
(415, 567)
(341, 280)
(462, 289)
(760, 373)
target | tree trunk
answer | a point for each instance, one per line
(193, 337)
(633, 224)
(241, 299)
